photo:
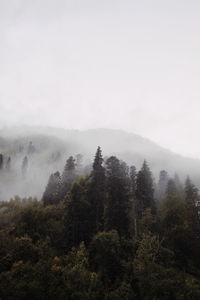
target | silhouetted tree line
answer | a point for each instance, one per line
(110, 234)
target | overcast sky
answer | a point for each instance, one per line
(127, 64)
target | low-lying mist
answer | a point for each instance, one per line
(30, 155)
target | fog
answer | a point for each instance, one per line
(131, 65)
(52, 147)
(80, 65)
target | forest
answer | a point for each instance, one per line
(110, 232)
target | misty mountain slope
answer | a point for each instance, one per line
(49, 154)
(53, 146)
(134, 149)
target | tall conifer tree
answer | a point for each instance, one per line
(51, 194)
(117, 210)
(133, 219)
(68, 177)
(133, 177)
(144, 191)
(191, 198)
(77, 213)
(97, 192)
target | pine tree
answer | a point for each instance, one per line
(96, 192)
(77, 212)
(133, 219)
(191, 198)
(133, 177)
(144, 191)
(68, 177)
(117, 209)
(51, 194)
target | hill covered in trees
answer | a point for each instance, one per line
(46, 150)
(108, 232)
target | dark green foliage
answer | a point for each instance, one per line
(144, 191)
(133, 177)
(133, 211)
(191, 198)
(105, 253)
(40, 223)
(118, 206)
(148, 223)
(77, 223)
(68, 177)
(124, 291)
(157, 279)
(51, 194)
(177, 231)
(81, 282)
(82, 247)
(96, 193)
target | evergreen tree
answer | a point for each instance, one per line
(133, 177)
(175, 228)
(144, 191)
(133, 222)
(51, 194)
(97, 192)
(68, 177)
(105, 256)
(117, 209)
(77, 212)
(191, 198)
(24, 166)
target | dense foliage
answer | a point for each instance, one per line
(111, 234)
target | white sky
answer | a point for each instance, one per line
(127, 64)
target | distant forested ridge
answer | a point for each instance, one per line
(107, 230)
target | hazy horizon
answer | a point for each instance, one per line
(125, 65)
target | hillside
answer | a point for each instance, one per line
(53, 146)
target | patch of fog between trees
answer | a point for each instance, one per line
(32, 160)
